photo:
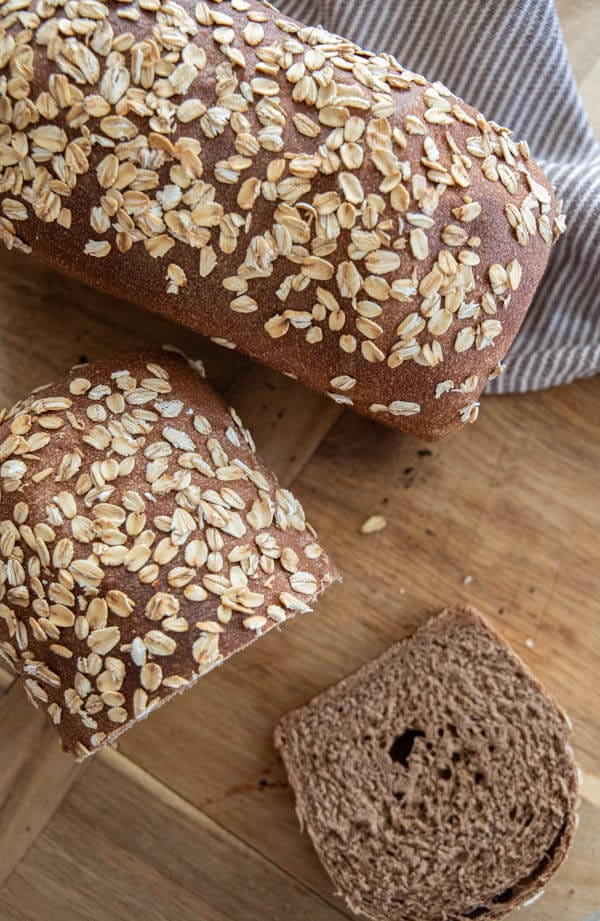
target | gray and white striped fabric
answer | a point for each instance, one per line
(508, 58)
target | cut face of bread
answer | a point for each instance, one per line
(142, 542)
(437, 782)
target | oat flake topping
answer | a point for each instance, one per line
(141, 542)
(330, 198)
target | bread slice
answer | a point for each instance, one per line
(436, 782)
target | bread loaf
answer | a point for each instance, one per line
(142, 542)
(437, 782)
(274, 187)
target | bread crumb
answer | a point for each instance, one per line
(373, 524)
(529, 643)
(389, 690)
(467, 580)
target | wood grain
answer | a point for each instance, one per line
(287, 421)
(34, 776)
(573, 894)
(194, 818)
(591, 789)
(580, 22)
(590, 91)
(164, 862)
(73, 323)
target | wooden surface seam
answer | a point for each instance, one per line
(159, 790)
(34, 776)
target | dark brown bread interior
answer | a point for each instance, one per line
(322, 209)
(437, 782)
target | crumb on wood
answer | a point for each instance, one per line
(373, 524)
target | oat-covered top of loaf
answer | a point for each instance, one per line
(227, 143)
(142, 541)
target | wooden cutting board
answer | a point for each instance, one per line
(192, 817)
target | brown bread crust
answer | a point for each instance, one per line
(142, 542)
(477, 811)
(278, 189)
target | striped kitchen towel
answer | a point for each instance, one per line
(508, 58)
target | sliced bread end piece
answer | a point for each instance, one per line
(437, 781)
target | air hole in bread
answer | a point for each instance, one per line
(402, 746)
(505, 896)
(398, 778)
(477, 912)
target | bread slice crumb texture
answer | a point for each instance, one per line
(437, 782)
